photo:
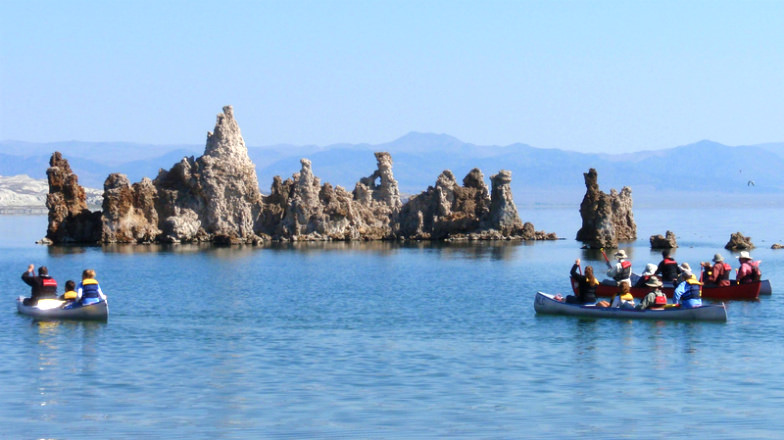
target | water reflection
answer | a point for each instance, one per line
(63, 250)
(495, 250)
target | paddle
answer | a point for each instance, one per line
(606, 260)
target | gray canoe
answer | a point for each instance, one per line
(51, 309)
(546, 304)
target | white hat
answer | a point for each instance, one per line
(650, 269)
(744, 255)
(686, 269)
(621, 254)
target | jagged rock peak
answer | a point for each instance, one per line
(606, 219)
(69, 219)
(503, 211)
(226, 139)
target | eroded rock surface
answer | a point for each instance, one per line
(664, 242)
(216, 198)
(606, 218)
(70, 221)
(739, 242)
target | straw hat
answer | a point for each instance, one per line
(653, 282)
(621, 254)
(650, 269)
(686, 269)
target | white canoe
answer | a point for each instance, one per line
(52, 309)
(546, 304)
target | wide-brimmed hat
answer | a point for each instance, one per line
(718, 258)
(620, 254)
(686, 269)
(653, 282)
(744, 255)
(650, 269)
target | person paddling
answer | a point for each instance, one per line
(586, 290)
(42, 286)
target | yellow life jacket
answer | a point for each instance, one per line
(69, 295)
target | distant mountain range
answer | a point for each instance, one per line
(706, 171)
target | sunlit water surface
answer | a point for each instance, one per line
(381, 340)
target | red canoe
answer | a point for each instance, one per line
(733, 292)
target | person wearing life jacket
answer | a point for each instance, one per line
(646, 275)
(688, 291)
(668, 269)
(42, 286)
(718, 274)
(749, 270)
(89, 291)
(623, 298)
(622, 270)
(586, 285)
(655, 299)
(70, 294)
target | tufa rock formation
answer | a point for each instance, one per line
(69, 219)
(668, 242)
(607, 219)
(739, 242)
(216, 198)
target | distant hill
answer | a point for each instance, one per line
(706, 170)
(23, 193)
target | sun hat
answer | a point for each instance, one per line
(653, 282)
(620, 254)
(686, 269)
(744, 255)
(718, 258)
(650, 269)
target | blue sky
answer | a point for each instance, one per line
(578, 75)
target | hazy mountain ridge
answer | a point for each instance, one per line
(539, 176)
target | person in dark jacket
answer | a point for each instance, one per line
(586, 290)
(668, 268)
(42, 286)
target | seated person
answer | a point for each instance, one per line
(717, 274)
(586, 290)
(89, 291)
(623, 299)
(70, 291)
(42, 286)
(646, 275)
(668, 268)
(655, 299)
(689, 291)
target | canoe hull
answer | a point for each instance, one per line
(546, 304)
(52, 311)
(736, 292)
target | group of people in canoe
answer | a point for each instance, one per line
(44, 286)
(688, 287)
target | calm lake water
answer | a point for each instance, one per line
(380, 340)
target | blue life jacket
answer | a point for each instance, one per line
(90, 288)
(692, 290)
